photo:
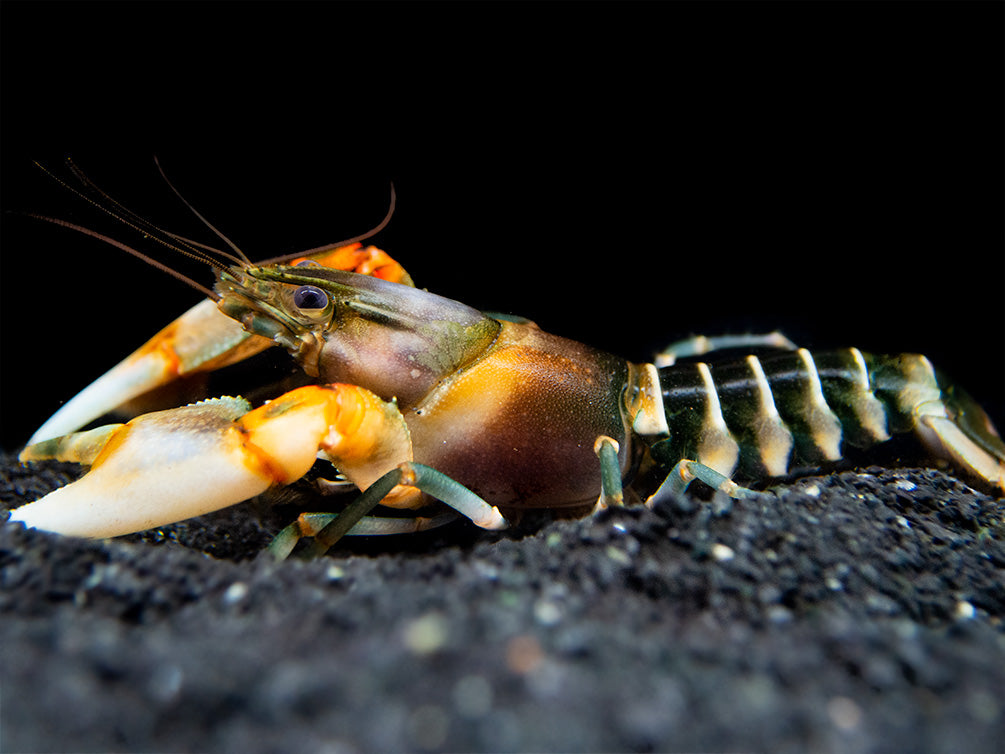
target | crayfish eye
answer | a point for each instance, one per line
(310, 298)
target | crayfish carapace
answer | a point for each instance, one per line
(418, 399)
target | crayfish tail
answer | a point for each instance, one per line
(950, 424)
(961, 432)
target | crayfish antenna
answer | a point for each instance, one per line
(219, 234)
(135, 252)
(331, 246)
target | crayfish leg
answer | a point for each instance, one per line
(611, 490)
(327, 529)
(686, 471)
(311, 524)
(698, 345)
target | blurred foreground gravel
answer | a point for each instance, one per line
(857, 612)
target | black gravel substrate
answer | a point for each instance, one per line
(859, 612)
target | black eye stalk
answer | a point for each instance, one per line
(310, 298)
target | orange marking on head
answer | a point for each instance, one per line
(369, 261)
(342, 258)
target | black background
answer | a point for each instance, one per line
(623, 174)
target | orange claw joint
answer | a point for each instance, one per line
(171, 465)
(203, 339)
(362, 435)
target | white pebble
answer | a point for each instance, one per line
(722, 552)
(235, 593)
(844, 713)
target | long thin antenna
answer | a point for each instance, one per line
(130, 250)
(137, 223)
(178, 243)
(328, 247)
(122, 211)
(195, 212)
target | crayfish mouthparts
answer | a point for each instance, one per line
(252, 305)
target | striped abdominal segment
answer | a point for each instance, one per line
(765, 417)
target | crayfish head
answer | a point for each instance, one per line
(392, 339)
(271, 311)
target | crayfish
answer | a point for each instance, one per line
(426, 405)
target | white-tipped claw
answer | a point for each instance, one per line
(201, 339)
(130, 378)
(158, 469)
